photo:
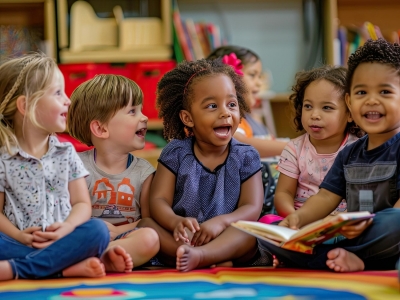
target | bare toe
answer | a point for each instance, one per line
(340, 260)
(116, 259)
(187, 258)
(90, 267)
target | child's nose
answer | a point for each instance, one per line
(315, 115)
(67, 101)
(144, 118)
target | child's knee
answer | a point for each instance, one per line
(150, 240)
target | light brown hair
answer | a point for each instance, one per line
(99, 99)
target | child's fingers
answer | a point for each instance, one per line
(191, 224)
(32, 229)
(46, 235)
(42, 245)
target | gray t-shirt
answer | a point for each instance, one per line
(115, 198)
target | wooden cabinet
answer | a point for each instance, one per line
(37, 17)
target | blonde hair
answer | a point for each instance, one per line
(29, 76)
(99, 99)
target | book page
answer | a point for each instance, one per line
(330, 225)
(279, 233)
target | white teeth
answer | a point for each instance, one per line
(372, 113)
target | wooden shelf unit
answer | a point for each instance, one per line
(35, 13)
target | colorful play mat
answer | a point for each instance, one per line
(217, 283)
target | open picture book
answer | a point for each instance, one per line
(305, 239)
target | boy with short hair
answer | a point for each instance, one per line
(106, 112)
(365, 173)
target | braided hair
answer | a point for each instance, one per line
(175, 91)
(379, 51)
(335, 75)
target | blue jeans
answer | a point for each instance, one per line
(87, 240)
(378, 246)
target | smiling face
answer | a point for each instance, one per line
(52, 108)
(214, 110)
(127, 128)
(252, 77)
(324, 113)
(374, 100)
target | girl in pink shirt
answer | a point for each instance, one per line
(320, 111)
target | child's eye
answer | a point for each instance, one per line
(132, 111)
(360, 92)
(385, 92)
(307, 106)
(232, 104)
(327, 107)
(212, 106)
(58, 93)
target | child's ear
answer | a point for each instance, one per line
(348, 100)
(21, 105)
(99, 130)
(186, 118)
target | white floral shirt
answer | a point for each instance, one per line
(36, 190)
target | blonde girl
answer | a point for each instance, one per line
(45, 224)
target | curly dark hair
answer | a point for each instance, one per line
(380, 51)
(245, 55)
(335, 75)
(175, 89)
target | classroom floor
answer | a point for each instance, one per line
(216, 283)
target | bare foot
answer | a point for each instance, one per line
(6, 272)
(116, 259)
(90, 267)
(340, 260)
(188, 258)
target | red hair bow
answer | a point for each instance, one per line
(234, 62)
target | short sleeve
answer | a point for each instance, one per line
(148, 169)
(334, 180)
(76, 167)
(2, 177)
(169, 157)
(251, 164)
(288, 163)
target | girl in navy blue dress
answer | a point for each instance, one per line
(205, 179)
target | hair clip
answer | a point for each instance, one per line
(1, 117)
(234, 62)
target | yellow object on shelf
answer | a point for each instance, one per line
(89, 32)
(138, 32)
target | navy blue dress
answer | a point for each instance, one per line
(204, 194)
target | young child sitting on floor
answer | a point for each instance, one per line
(205, 179)
(250, 131)
(45, 205)
(320, 109)
(106, 112)
(364, 173)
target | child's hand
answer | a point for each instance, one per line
(209, 230)
(292, 221)
(179, 231)
(26, 236)
(53, 233)
(354, 230)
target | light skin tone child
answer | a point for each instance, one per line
(253, 79)
(33, 138)
(324, 117)
(373, 101)
(114, 139)
(212, 116)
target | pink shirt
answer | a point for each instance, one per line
(300, 160)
